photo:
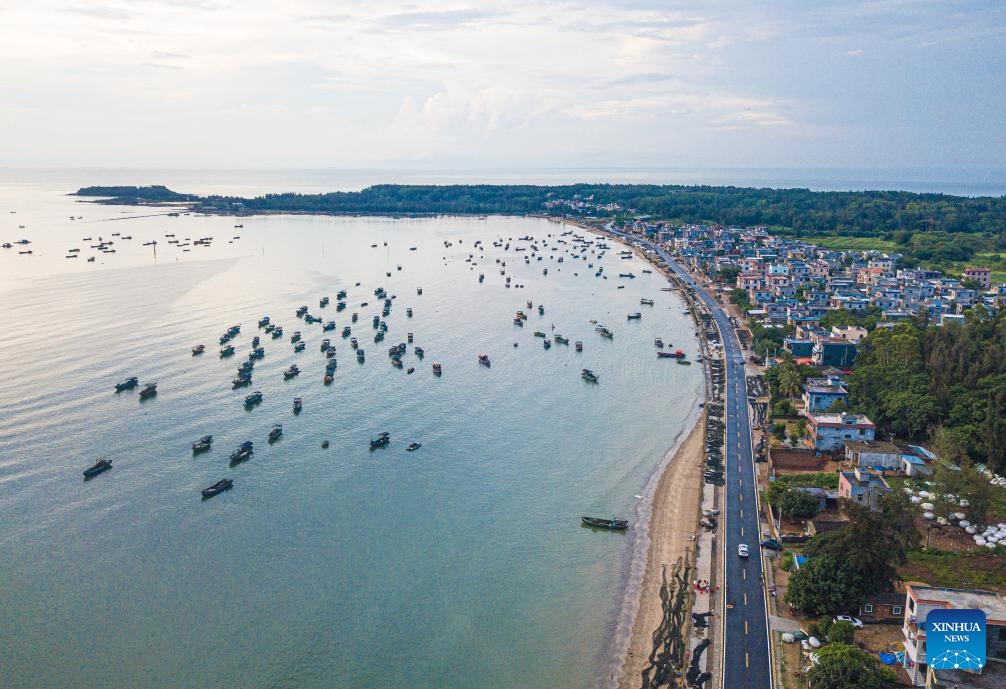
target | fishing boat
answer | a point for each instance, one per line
(270, 327)
(626, 275)
(437, 368)
(541, 310)
(634, 316)
(149, 390)
(559, 339)
(291, 372)
(253, 399)
(264, 321)
(538, 333)
(518, 322)
(354, 343)
(646, 302)
(323, 302)
(103, 464)
(410, 337)
(408, 312)
(360, 355)
(396, 362)
(341, 295)
(127, 384)
(301, 311)
(413, 447)
(308, 318)
(547, 344)
(647, 270)
(241, 381)
(419, 291)
(684, 362)
(328, 327)
(203, 444)
(243, 452)
(298, 405)
(217, 488)
(255, 342)
(198, 349)
(484, 359)
(410, 370)
(328, 379)
(277, 332)
(589, 375)
(598, 522)
(665, 355)
(381, 440)
(299, 346)
(295, 337)
(355, 317)
(376, 321)
(276, 433)
(325, 344)
(257, 353)
(606, 333)
(659, 342)
(379, 337)
(420, 352)
(579, 346)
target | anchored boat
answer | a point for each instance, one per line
(600, 523)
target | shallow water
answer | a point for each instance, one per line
(460, 565)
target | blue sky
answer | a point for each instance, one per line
(887, 83)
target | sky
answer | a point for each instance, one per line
(612, 83)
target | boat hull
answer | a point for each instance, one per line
(612, 524)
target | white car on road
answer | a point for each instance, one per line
(742, 551)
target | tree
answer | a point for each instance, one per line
(728, 274)
(825, 585)
(841, 632)
(843, 666)
(796, 504)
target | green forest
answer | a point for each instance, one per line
(933, 228)
(943, 384)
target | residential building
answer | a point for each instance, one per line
(874, 453)
(920, 600)
(983, 276)
(834, 352)
(828, 431)
(818, 398)
(862, 487)
(883, 607)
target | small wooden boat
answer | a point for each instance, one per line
(646, 302)
(291, 372)
(665, 355)
(253, 399)
(298, 405)
(127, 384)
(244, 451)
(198, 349)
(217, 488)
(484, 360)
(579, 346)
(203, 444)
(600, 523)
(103, 464)
(148, 391)
(381, 440)
(276, 433)
(437, 369)
(634, 316)
(328, 379)
(588, 375)
(413, 447)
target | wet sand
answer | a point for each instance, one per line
(673, 521)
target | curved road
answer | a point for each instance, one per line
(746, 660)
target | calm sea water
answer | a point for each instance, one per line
(460, 565)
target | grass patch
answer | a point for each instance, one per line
(818, 480)
(854, 243)
(956, 570)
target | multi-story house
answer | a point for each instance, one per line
(829, 431)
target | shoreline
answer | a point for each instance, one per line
(666, 519)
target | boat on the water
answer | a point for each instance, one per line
(381, 440)
(419, 352)
(437, 368)
(626, 275)
(634, 316)
(103, 464)
(684, 362)
(538, 333)
(659, 342)
(295, 337)
(328, 326)
(253, 399)
(484, 359)
(127, 384)
(413, 447)
(264, 321)
(291, 372)
(203, 444)
(323, 302)
(217, 488)
(299, 346)
(601, 523)
(148, 391)
(559, 339)
(547, 344)
(646, 302)
(588, 375)
(298, 404)
(198, 349)
(276, 433)
(579, 346)
(243, 452)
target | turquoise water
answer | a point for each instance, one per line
(460, 565)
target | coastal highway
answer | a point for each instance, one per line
(746, 660)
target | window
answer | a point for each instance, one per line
(896, 609)
(868, 608)
(911, 605)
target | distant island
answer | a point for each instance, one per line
(935, 228)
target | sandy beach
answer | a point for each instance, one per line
(672, 523)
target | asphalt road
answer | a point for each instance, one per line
(746, 660)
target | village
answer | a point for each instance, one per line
(818, 456)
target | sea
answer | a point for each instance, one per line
(462, 564)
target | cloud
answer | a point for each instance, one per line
(444, 18)
(100, 12)
(856, 53)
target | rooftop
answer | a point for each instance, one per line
(988, 601)
(873, 446)
(993, 677)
